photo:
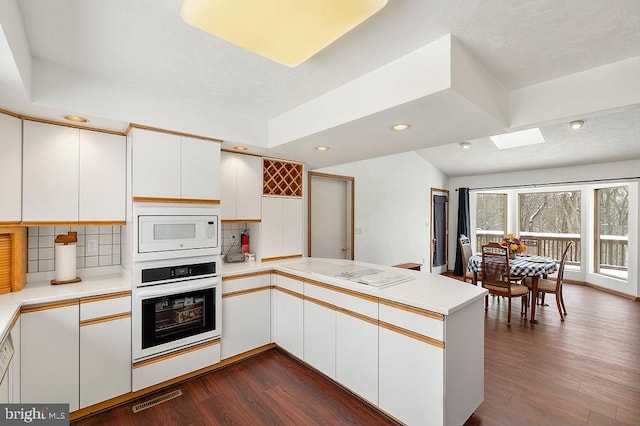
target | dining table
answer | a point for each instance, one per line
(528, 266)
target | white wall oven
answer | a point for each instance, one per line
(176, 303)
(166, 232)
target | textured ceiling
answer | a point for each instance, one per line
(144, 44)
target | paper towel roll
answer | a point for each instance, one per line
(65, 262)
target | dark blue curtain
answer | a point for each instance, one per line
(464, 225)
(440, 230)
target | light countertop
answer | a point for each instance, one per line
(43, 292)
(432, 292)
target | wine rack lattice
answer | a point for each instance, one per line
(281, 178)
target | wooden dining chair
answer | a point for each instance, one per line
(496, 277)
(555, 286)
(465, 249)
(532, 246)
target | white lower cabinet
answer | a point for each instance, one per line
(288, 315)
(49, 355)
(320, 337)
(411, 379)
(357, 355)
(105, 348)
(246, 313)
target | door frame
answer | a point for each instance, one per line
(433, 191)
(347, 179)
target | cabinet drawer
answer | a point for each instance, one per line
(419, 321)
(289, 283)
(246, 282)
(104, 305)
(341, 298)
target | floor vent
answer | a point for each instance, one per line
(156, 401)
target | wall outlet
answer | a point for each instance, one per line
(92, 245)
(357, 231)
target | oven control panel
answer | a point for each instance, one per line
(164, 273)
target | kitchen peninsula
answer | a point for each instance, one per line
(414, 348)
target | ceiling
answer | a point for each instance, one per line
(143, 52)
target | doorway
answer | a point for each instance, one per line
(331, 211)
(439, 230)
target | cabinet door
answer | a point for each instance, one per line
(50, 356)
(357, 356)
(292, 226)
(289, 315)
(271, 227)
(11, 170)
(320, 338)
(105, 360)
(200, 169)
(249, 186)
(246, 322)
(228, 185)
(50, 173)
(156, 164)
(102, 177)
(411, 379)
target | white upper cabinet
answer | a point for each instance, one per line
(11, 169)
(281, 227)
(156, 164)
(102, 176)
(241, 186)
(175, 167)
(50, 173)
(200, 169)
(72, 175)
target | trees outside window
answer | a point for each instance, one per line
(491, 218)
(612, 231)
(554, 219)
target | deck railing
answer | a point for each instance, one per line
(613, 249)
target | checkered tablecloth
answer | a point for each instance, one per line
(519, 266)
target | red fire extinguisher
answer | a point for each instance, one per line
(244, 241)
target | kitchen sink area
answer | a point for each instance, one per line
(372, 277)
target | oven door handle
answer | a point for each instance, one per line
(171, 290)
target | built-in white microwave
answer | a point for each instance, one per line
(177, 232)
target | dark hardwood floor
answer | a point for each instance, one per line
(585, 371)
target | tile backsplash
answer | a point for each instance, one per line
(231, 237)
(96, 246)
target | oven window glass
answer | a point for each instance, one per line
(174, 231)
(170, 318)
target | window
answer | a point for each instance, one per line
(612, 231)
(491, 218)
(554, 219)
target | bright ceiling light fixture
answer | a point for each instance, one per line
(465, 145)
(518, 139)
(400, 127)
(576, 124)
(321, 148)
(285, 31)
(240, 148)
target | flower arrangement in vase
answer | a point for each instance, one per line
(513, 244)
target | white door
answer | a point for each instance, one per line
(331, 216)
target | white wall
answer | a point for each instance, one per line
(392, 207)
(615, 170)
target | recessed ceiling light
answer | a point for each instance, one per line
(465, 145)
(518, 139)
(400, 127)
(75, 118)
(285, 31)
(322, 148)
(576, 124)
(240, 148)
